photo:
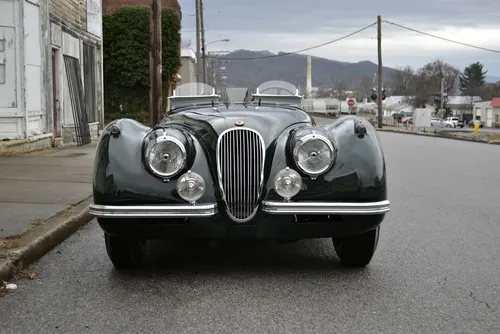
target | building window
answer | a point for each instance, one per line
(2, 73)
(497, 118)
(2, 45)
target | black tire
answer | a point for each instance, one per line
(124, 253)
(358, 250)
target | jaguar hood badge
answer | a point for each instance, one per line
(239, 122)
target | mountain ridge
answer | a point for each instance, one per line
(292, 68)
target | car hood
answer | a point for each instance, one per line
(209, 123)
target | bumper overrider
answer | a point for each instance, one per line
(269, 207)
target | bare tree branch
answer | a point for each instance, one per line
(427, 83)
(339, 88)
(401, 80)
(364, 88)
(186, 43)
(489, 91)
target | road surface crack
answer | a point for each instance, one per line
(478, 300)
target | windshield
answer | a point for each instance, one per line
(194, 89)
(192, 95)
(197, 94)
(277, 87)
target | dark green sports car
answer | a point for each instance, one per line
(254, 169)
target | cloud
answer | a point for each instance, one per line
(288, 25)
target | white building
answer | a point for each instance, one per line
(488, 112)
(50, 70)
(188, 66)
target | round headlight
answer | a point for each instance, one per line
(314, 154)
(166, 157)
(287, 183)
(190, 186)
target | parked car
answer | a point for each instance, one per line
(407, 120)
(399, 116)
(437, 122)
(472, 122)
(262, 171)
(453, 122)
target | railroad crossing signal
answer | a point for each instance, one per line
(374, 95)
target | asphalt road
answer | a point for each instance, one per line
(322, 119)
(436, 270)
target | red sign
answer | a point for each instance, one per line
(350, 103)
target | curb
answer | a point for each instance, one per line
(6, 269)
(481, 141)
(39, 241)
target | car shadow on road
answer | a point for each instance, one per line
(168, 258)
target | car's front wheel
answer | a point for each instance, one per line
(357, 250)
(124, 253)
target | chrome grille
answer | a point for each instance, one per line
(240, 166)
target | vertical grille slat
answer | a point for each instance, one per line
(240, 165)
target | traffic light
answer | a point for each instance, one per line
(374, 95)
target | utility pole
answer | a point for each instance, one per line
(442, 95)
(155, 64)
(213, 73)
(214, 63)
(202, 27)
(198, 74)
(379, 76)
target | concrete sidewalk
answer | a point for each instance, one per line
(42, 189)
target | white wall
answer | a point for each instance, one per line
(33, 70)
(11, 110)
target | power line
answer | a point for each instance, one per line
(442, 38)
(306, 49)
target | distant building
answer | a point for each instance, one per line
(188, 66)
(111, 6)
(488, 112)
(51, 70)
(462, 106)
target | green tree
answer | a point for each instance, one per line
(472, 79)
(126, 60)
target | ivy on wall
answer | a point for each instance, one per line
(126, 60)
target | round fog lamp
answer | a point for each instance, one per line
(287, 183)
(190, 186)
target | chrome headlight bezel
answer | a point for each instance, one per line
(163, 139)
(305, 139)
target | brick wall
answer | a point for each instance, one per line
(110, 6)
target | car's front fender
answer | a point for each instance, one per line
(121, 178)
(358, 174)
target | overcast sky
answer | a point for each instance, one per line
(289, 25)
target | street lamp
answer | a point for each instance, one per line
(219, 40)
(203, 56)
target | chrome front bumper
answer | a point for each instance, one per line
(209, 210)
(153, 211)
(322, 208)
